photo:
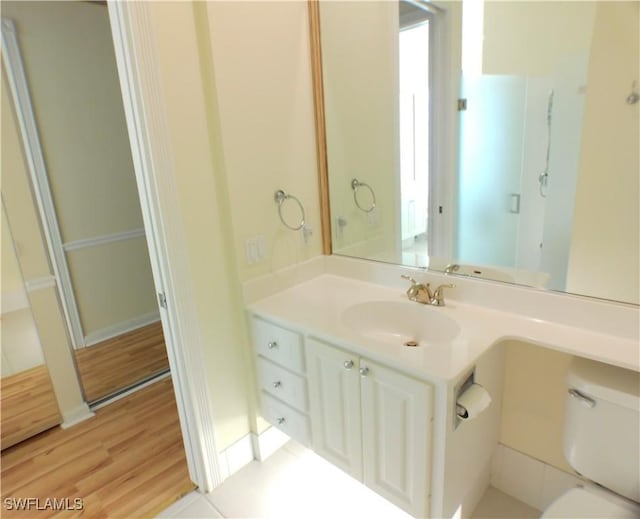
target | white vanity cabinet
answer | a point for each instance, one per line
(373, 422)
(281, 378)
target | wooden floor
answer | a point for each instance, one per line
(28, 405)
(126, 462)
(122, 361)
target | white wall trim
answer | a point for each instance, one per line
(251, 446)
(268, 442)
(39, 180)
(103, 240)
(77, 415)
(121, 328)
(41, 283)
(236, 456)
(143, 101)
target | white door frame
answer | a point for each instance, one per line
(17, 80)
(135, 50)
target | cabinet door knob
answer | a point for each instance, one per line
(364, 371)
(281, 420)
(348, 364)
(272, 344)
(277, 384)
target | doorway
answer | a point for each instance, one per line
(87, 192)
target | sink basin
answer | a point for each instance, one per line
(401, 322)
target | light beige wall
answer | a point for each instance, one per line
(262, 74)
(360, 68)
(12, 286)
(605, 247)
(33, 260)
(25, 224)
(70, 66)
(533, 402)
(534, 38)
(180, 30)
(116, 274)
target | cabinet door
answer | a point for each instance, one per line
(334, 402)
(396, 427)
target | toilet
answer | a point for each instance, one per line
(601, 442)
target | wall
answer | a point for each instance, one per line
(70, 68)
(177, 30)
(360, 69)
(261, 69)
(236, 80)
(605, 254)
(541, 36)
(33, 260)
(533, 402)
(14, 296)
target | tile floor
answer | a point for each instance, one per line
(286, 486)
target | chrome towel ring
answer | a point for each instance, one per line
(280, 197)
(355, 184)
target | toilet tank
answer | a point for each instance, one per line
(602, 425)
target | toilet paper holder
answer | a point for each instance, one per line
(472, 399)
(459, 412)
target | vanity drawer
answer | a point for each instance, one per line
(282, 384)
(287, 419)
(278, 344)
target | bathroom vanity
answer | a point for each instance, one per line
(373, 422)
(335, 373)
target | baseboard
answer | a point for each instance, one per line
(75, 416)
(268, 442)
(529, 480)
(249, 447)
(236, 456)
(120, 328)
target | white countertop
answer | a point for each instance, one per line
(315, 308)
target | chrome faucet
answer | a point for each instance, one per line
(421, 293)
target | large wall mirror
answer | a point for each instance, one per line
(497, 139)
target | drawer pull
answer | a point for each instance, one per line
(277, 384)
(281, 420)
(272, 344)
(364, 371)
(348, 364)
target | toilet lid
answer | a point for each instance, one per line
(581, 503)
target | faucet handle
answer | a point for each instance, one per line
(409, 278)
(412, 291)
(451, 267)
(438, 296)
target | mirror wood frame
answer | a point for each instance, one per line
(321, 131)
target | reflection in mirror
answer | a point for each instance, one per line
(500, 139)
(26, 395)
